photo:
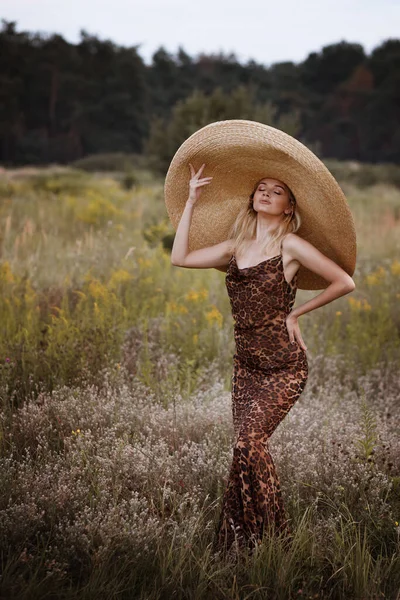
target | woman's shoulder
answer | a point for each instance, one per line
(231, 245)
(290, 240)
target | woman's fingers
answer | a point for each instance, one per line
(203, 181)
(198, 183)
(199, 172)
(295, 336)
(193, 171)
(300, 340)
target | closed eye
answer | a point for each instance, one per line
(262, 189)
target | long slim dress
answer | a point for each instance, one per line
(269, 374)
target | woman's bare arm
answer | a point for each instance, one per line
(306, 254)
(211, 256)
(217, 255)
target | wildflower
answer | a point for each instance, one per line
(144, 262)
(395, 267)
(177, 308)
(192, 296)
(354, 303)
(120, 276)
(97, 289)
(6, 273)
(214, 315)
(338, 313)
(376, 276)
(372, 279)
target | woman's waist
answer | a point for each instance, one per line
(272, 341)
(258, 325)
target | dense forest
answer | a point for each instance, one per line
(61, 101)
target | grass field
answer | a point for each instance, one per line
(115, 422)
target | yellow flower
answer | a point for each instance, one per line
(362, 304)
(119, 277)
(176, 308)
(338, 313)
(192, 295)
(214, 316)
(396, 523)
(6, 273)
(171, 306)
(97, 289)
(376, 276)
(354, 303)
(372, 279)
(366, 305)
(395, 267)
(144, 262)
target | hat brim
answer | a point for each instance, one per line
(238, 153)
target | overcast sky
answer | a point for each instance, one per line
(262, 30)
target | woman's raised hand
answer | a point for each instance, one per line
(195, 183)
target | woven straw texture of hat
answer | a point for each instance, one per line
(238, 153)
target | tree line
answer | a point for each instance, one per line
(61, 101)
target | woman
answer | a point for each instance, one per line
(261, 258)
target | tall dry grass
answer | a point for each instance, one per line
(115, 423)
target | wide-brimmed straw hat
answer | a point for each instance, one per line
(238, 153)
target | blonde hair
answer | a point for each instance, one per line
(244, 228)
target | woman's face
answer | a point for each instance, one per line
(272, 197)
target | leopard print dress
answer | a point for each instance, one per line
(269, 374)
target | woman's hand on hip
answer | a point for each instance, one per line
(293, 328)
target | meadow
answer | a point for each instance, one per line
(115, 414)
